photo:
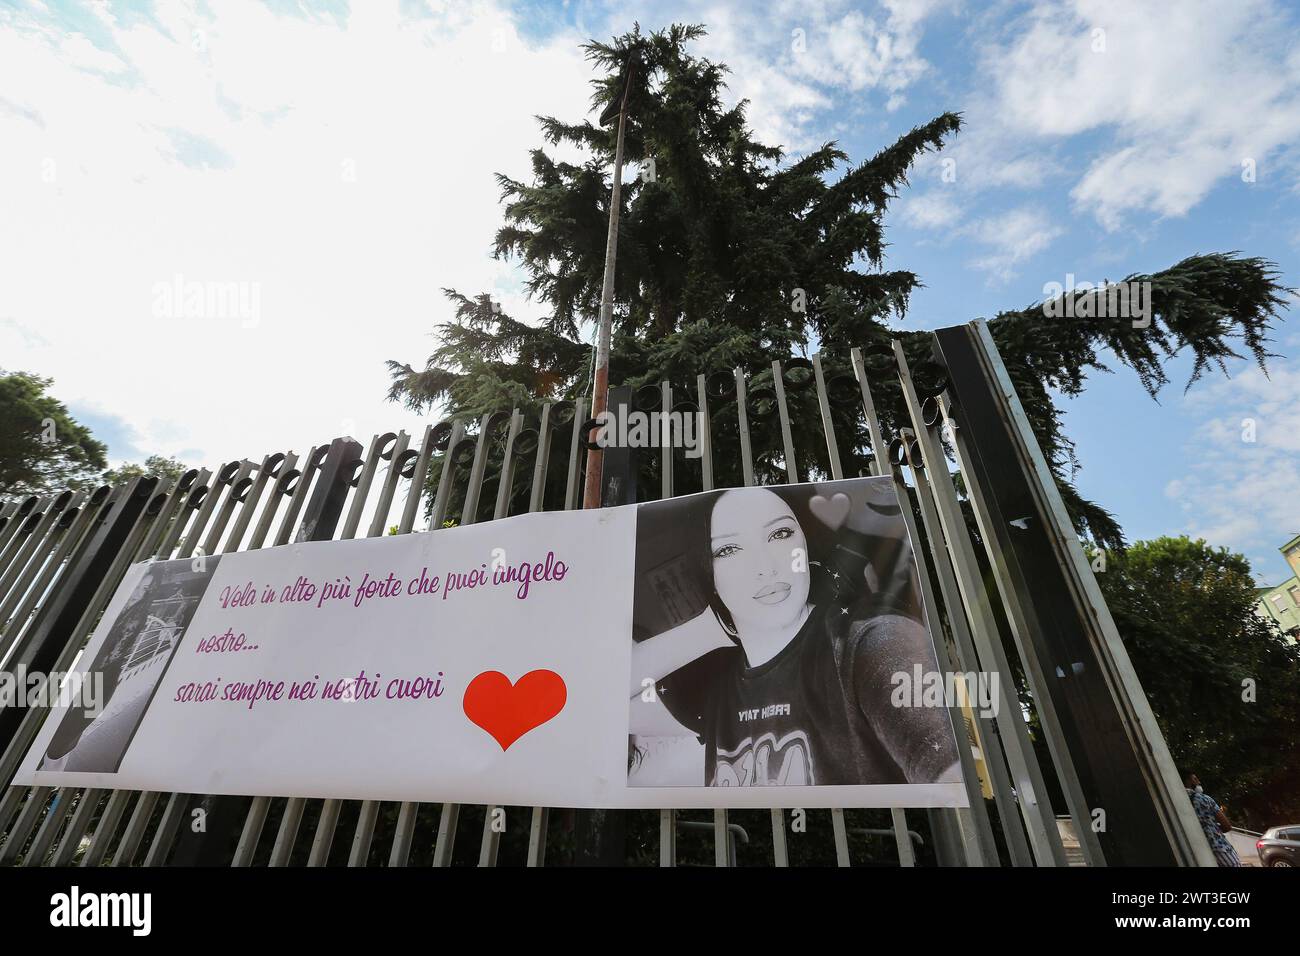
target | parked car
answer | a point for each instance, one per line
(1279, 846)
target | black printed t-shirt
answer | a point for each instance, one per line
(819, 712)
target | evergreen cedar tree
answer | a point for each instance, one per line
(711, 251)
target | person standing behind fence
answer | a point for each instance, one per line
(1214, 822)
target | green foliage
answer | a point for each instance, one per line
(1186, 613)
(42, 448)
(730, 256)
(158, 466)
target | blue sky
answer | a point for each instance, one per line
(337, 160)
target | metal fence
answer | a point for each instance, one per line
(1017, 598)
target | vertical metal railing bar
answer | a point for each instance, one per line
(902, 837)
(55, 545)
(875, 466)
(49, 827)
(52, 574)
(971, 839)
(193, 543)
(10, 521)
(540, 816)
(193, 501)
(235, 477)
(277, 468)
(450, 814)
(168, 826)
(491, 842)
(291, 816)
(34, 542)
(36, 716)
(787, 438)
(368, 815)
(575, 446)
(363, 482)
(25, 524)
(838, 829)
(408, 814)
(420, 474)
(991, 742)
(88, 802)
(109, 818)
(26, 530)
(240, 481)
(742, 419)
(37, 802)
(327, 821)
(310, 471)
(477, 470)
(1175, 812)
(780, 849)
(260, 807)
(129, 845)
(505, 485)
(706, 432)
(1030, 789)
(74, 832)
(177, 494)
(286, 482)
(446, 478)
(668, 816)
(973, 822)
(14, 627)
(269, 470)
(838, 825)
(665, 444)
(537, 493)
(721, 832)
(129, 842)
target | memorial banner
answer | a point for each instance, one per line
(755, 647)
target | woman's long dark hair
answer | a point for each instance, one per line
(837, 560)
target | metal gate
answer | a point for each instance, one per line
(1016, 597)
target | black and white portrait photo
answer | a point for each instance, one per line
(133, 659)
(769, 625)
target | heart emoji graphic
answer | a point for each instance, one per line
(508, 711)
(832, 511)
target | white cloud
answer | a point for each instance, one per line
(1177, 95)
(223, 157)
(1237, 492)
(935, 209)
(1011, 238)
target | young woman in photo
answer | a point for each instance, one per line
(786, 676)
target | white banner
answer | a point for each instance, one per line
(756, 647)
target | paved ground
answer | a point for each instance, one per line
(1243, 841)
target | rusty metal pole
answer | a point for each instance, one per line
(591, 497)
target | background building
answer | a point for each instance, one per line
(1281, 604)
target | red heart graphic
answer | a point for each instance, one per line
(508, 711)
